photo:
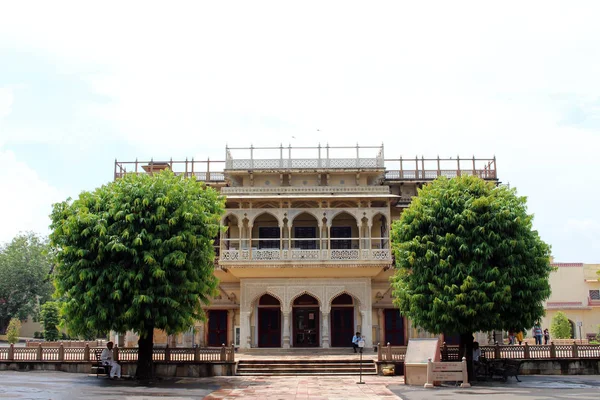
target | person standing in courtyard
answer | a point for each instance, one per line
(520, 337)
(108, 359)
(355, 339)
(537, 333)
(546, 336)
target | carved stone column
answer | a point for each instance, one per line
(381, 323)
(202, 334)
(240, 236)
(250, 242)
(325, 330)
(286, 329)
(245, 339)
(367, 326)
(230, 332)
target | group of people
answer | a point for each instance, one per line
(538, 334)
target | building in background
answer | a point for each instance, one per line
(575, 292)
(305, 260)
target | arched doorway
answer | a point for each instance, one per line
(217, 328)
(394, 327)
(269, 321)
(342, 321)
(306, 321)
(573, 331)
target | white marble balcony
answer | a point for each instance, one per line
(267, 255)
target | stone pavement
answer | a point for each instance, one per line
(532, 387)
(304, 388)
(66, 386)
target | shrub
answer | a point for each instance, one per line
(13, 330)
(36, 335)
(50, 317)
(560, 327)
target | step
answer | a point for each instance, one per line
(347, 370)
(302, 366)
(313, 361)
(306, 367)
(307, 373)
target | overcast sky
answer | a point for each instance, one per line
(82, 85)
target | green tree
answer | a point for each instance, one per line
(560, 327)
(13, 331)
(467, 260)
(24, 283)
(50, 319)
(137, 254)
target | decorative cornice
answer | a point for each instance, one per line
(561, 265)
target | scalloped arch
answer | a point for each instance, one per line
(338, 212)
(229, 214)
(303, 292)
(311, 213)
(376, 213)
(266, 212)
(270, 293)
(354, 298)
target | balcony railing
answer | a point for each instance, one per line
(206, 171)
(123, 354)
(322, 158)
(247, 255)
(247, 190)
(432, 168)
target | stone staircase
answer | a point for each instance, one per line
(305, 367)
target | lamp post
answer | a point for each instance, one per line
(361, 345)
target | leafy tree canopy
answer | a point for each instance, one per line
(468, 259)
(137, 254)
(560, 327)
(50, 319)
(24, 284)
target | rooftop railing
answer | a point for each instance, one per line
(261, 158)
(317, 158)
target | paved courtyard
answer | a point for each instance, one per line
(64, 386)
(59, 386)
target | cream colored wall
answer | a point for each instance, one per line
(590, 319)
(349, 180)
(29, 327)
(261, 180)
(311, 180)
(569, 285)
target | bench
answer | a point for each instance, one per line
(99, 367)
(505, 368)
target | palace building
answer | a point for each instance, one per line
(305, 259)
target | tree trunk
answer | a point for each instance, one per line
(144, 370)
(465, 349)
(4, 325)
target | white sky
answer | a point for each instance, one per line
(81, 85)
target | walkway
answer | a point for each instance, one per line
(65, 386)
(305, 388)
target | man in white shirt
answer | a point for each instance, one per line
(107, 359)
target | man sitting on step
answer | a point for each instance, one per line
(355, 339)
